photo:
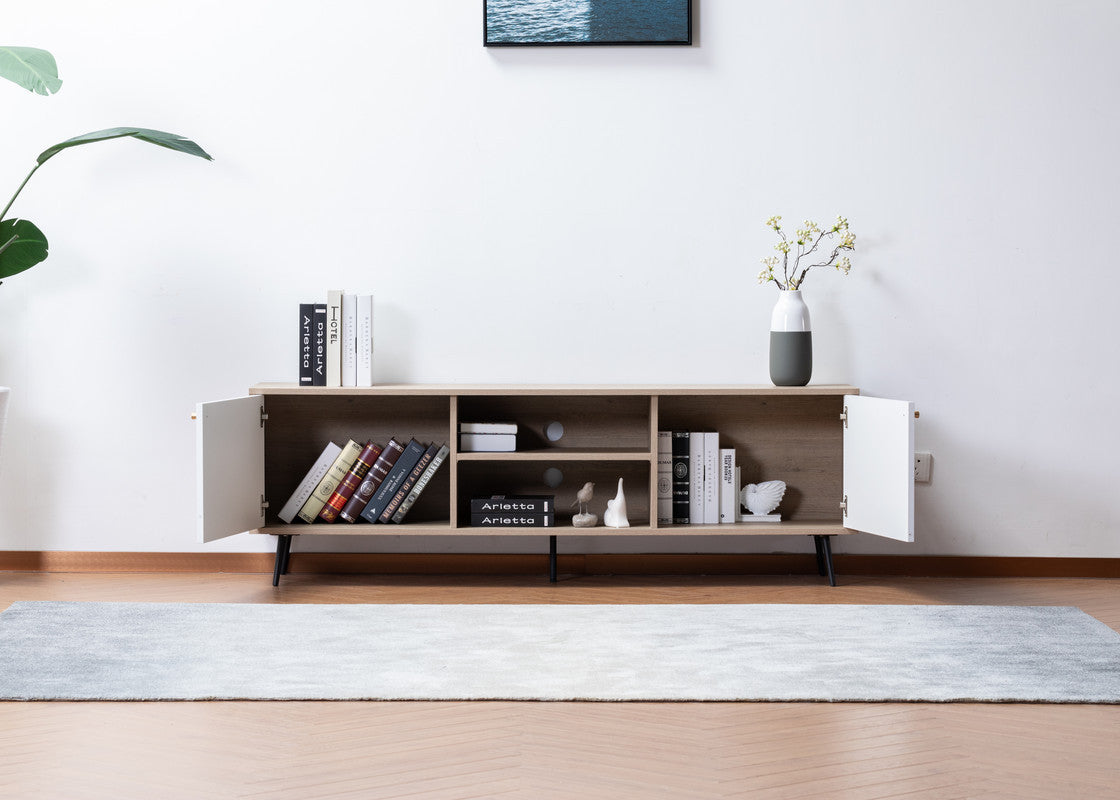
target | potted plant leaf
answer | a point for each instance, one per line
(22, 244)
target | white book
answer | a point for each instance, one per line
(696, 477)
(664, 477)
(487, 427)
(711, 478)
(488, 442)
(334, 337)
(365, 340)
(728, 486)
(310, 481)
(349, 340)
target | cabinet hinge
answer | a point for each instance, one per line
(264, 416)
(844, 416)
(844, 506)
(264, 505)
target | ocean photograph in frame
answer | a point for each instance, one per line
(527, 23)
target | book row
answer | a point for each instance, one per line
(370, 483)
(697, 480)
(336, 341)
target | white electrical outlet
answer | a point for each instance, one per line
(922, 463)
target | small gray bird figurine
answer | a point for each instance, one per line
(584, 495)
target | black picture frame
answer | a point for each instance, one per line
(583, 23)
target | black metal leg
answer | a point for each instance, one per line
(820, 555)
(283, 546)
(826, 549)
(552, 559)
(287, 555)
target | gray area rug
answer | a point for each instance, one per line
(179, 651)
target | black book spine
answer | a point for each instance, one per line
(681, 481)
(319, 345)
(408, 483)
(513, 505)
(306, 343)
(412, 453)
(514, 520)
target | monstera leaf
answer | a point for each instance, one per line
(22, 246)
(31, 68)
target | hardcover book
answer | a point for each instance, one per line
(488, 442)
(520, 504)
(306, 341)
(345, 490)
(513, 520)
(488, 427)
(319, 346)
(696, 477)
(407, 484)
(309, 482)
(681, 478)
(364, 343)
(711, 478)
(330, 481)
(334, 337)
(728, 486)
(407, 460)
(349, 340)
(364, 493)
(414, 495)
(664, 477)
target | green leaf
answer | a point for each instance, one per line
(27, 250)
(31, 68)
(172, 141)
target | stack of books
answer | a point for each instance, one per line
(514, 511)
(336, 341)
(697, 480)
(487, 437)
(364, 482)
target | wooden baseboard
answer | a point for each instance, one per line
(602, 564)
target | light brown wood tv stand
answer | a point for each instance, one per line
(822, 440)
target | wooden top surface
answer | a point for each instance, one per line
(557, 389)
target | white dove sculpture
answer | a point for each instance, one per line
(762, 498)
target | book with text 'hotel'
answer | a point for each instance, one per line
(309, 482)
(350, 483)
(407, 460)
(352, 511)
(334, 337)
(407, 484)
(330, 481)
(421, 484)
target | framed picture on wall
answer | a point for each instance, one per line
(521, 23)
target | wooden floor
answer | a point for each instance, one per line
(552, 750)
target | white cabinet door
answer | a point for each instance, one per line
(879, 467)
(230, 458)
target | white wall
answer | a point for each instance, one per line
(531, 215)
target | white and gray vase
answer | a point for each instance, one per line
(791, 340)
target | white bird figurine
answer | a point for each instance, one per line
(615, 515)
(762, 498)
(583, 496)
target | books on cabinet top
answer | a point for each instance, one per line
(336, 340)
